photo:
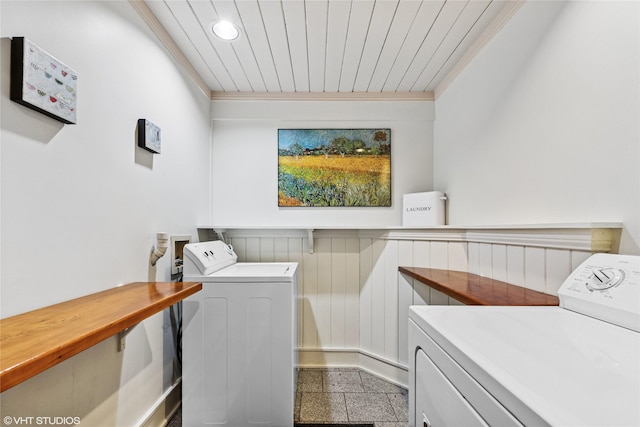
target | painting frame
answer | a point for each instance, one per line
(334, 167)
(149, 136)
(41, 82)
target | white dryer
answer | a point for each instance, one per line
(239, 340)
(573, 365)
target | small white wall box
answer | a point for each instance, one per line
(423, 209)
(177, 254)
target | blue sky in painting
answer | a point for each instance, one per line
(312, 138)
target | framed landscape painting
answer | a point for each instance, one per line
(334, 167)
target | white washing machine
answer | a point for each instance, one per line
(239, 340)
(573, 365)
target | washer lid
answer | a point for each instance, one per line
(255, 272)
(568, 368)
(249, 272)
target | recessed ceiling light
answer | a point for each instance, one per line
(225, 30)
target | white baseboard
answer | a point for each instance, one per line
(164, 408)
(354, 358)
(385, 369)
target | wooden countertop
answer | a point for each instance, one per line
(472, 289)
(35, 341)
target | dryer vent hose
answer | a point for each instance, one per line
(161, 247)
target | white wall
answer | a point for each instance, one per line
(245, 157)
(81, 203)
(543, 125)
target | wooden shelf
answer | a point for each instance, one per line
(472, 289)
(35, 341)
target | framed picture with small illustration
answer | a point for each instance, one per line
(41, 82)
(148, 136)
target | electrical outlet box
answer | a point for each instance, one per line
(177, 252)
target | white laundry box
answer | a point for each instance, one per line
(423, 209)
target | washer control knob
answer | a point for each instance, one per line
(605, 278)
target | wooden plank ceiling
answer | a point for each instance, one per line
(312, 46)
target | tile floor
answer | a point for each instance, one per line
(344, 396)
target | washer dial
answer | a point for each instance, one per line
(605, 278)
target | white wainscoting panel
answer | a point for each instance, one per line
(353, 303)
(499, 262)
(405, 298)
(376, 285)
(390, 297)
(309, 282)
(515, 265)
(366, 267)
(557, 268)
(534, 268)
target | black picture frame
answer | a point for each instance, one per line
(41, 82)
(149, 136)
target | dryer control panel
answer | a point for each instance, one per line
(606, 287)
(205, 258)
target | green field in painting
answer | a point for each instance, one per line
(352, 180)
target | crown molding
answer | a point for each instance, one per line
(506, 13)
(158, 29)
(322, 96)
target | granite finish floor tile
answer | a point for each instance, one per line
(322, 407)
(377, 385)
(341, 382)
(310, 380)
(350, 396)
(343, 396)
(400, 405)
(369, 407)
